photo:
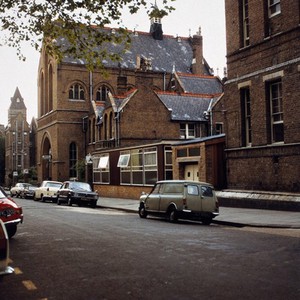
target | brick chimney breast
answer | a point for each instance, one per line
(197, 46)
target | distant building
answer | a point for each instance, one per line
(17, 144)
(260, 109)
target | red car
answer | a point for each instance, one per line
(10, 213)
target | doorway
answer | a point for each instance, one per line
(191, 172)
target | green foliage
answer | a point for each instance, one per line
(80, 166)
(77, 21)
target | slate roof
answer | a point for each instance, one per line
(164, 54)
(199, 84)
(186, 107)
(117, 102)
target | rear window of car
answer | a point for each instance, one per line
(207, 191)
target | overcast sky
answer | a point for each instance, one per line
(187, 18)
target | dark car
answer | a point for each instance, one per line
(10, 213)
(28, 192)
(75, 192)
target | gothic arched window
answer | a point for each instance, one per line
(102, 93)
(76, 92)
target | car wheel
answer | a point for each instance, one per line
(93, 204)
(142, 212)
(11, 230)
(172, 215)
(58, 201)
(69, 201)
(206, 221)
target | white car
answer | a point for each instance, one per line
(47, 191)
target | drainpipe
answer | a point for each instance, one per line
(210, 116)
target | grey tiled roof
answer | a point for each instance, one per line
(197, 84)
(164, 54)
(186, 107)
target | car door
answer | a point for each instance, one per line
(153, 200)
(193, 197)
(208, 198)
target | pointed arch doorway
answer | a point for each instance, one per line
(46, 160)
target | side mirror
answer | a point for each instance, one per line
(4, 251)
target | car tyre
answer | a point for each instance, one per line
(142, 212)
(11, 230)
(172, 215)
(206, 221)
(93, 204)
(69, 201)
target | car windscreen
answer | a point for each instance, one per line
(2, 195)
(53, 184)
(81, 186)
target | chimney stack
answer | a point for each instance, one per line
(197, 46)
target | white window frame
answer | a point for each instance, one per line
(186, 129)
(123, 160)
(103, 162)
(274, 8)
(279, 112)
(246, 30)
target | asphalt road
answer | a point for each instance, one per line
(62, 252)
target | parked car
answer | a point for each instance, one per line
(75, 192)
(180, 199)
(47, 191)
(18, 188)
(28, 192)
(5, 269)
(10, 213)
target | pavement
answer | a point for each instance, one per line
(231, 216)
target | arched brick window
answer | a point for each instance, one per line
(102, 93)
(76, 92)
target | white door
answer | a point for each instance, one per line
(191, 172)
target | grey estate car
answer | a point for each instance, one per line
(181, 199)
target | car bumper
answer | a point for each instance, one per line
(14, 222)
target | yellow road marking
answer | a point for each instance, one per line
(29, 285)
(18, 271)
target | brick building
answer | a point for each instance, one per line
(128, 120)
(260, 108)
(17, 141)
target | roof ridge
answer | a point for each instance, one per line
(196, 75)
(189, 94)
(126, 94)
(140, 32)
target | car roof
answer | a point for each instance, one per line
(183, 181)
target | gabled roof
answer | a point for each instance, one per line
(163, 54)
(186, 107)
(117, 102)
(199, 84)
